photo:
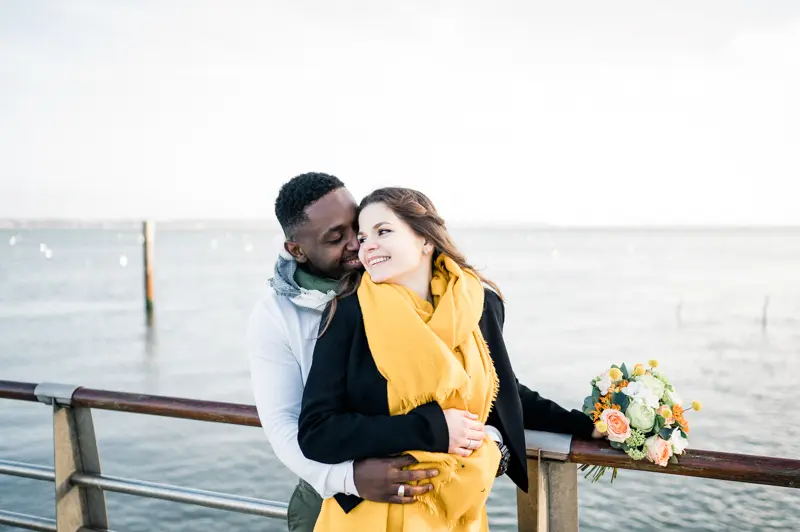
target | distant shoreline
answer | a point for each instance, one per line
(271, 225)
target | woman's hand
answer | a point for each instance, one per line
(597, 435)
(466, 433)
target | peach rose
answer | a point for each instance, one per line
(619, 428)
(665, 412)
(659, 450)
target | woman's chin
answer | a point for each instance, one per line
(379, 278)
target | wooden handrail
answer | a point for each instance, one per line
(137, 403)
(717, 465)
(754, 469)
(20, 391)
(159, 405)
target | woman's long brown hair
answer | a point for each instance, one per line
(415, 209)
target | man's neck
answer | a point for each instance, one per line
(309, 281)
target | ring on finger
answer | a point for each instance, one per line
(401, 490)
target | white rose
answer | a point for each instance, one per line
(603, 383)
(678, 442)
(639, 392)
(655, 386)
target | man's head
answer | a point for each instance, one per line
(318, 217)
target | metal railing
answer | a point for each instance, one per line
(80, 485)
(550, 504)
(209, 499)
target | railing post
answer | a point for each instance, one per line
(551, 504)
(531, 514)
(561, 485)
(75, 451)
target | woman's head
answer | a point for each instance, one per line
(400, 234)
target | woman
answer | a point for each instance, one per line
(419, 335)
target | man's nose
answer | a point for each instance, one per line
(352, 243)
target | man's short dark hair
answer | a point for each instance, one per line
(297, 194)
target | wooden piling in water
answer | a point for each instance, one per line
(148, 231)
(764, 313)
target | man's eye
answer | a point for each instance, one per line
(335, 240)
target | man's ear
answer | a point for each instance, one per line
(294, 249)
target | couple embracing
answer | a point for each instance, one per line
(379, 368)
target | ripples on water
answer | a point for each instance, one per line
(576, 301)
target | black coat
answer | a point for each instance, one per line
(345, 412)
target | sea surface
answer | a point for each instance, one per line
(71, 310)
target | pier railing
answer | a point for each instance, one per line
(551, 503)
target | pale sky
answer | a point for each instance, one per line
(586, 113)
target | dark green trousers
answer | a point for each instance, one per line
(304, 507)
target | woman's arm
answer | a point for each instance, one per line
(329, 433)
(543, 414)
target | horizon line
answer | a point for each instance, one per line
(268, 224)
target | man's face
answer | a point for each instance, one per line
(326, 244)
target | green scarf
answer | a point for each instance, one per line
(312, 282)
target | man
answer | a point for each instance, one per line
(318, 217)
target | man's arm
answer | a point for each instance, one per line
(277, 383)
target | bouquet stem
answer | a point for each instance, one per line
(597, 472)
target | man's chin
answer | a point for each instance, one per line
(351, 266)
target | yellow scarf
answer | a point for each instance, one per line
(430, 353)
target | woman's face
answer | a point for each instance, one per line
(390, 251)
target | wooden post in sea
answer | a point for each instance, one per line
(149, 232)
(764, 314)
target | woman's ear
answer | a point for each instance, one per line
(427, 248)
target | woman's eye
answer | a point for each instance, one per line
(383, 231)
(361, 240)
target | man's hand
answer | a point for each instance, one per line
(378, 479)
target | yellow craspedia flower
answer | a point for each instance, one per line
(653, 363)
(601, 426)
(638, 369)
(697, 405)
(615, 374)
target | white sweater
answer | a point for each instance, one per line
(281, 334)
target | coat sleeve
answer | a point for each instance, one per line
(330, 431)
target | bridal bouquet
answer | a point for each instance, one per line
(640, 412)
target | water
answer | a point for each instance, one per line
(576, 302)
